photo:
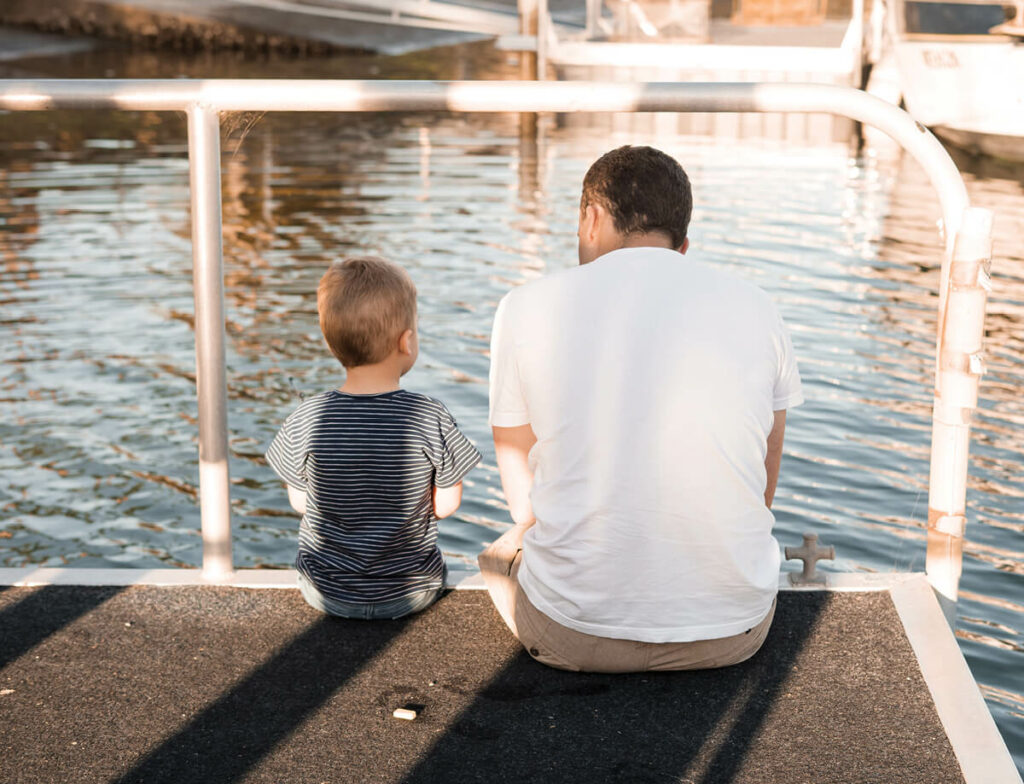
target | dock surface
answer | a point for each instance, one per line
(214, 684)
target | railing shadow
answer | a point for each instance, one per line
(42, 613)
(232, 735)
(532, 723)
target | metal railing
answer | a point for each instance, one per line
(964, 277)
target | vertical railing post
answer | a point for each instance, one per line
(964, 291)
(593, 19)
(544, 26)
(528, 17)
(211, 377)
(857, 27)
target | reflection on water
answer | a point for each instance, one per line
(97, 433)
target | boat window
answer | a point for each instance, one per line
(952, 18)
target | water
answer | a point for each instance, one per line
(97, 408)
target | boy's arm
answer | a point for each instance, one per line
(297, 498)
(773, 459)
(447, 500)
(512, 448)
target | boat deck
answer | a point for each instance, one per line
(212, 684)
(829, 34)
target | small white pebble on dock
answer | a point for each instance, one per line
(404, 713)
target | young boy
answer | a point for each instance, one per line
(371, 467)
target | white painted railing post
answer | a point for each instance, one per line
(544, 25)
(211, 378)
(963, 294)
(593, 19)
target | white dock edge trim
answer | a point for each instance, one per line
(463, 579)
(972, 732)
(836, 582)
(240, 578)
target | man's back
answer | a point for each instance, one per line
(649, 380)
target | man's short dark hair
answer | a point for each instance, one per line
(643, 189)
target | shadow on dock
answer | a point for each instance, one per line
(695, 726)
(202, 684)
(39, 614)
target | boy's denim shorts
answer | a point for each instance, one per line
(393, 608)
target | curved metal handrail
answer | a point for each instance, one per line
(958, 349)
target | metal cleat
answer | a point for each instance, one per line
(810, 553)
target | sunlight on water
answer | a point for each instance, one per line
(97, 436)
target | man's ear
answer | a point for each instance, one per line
(685, 246)
(590, 223)
(405, 342)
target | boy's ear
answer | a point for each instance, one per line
(405, 342)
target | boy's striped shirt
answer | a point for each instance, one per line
(368, 464)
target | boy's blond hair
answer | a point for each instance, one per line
(365, 303)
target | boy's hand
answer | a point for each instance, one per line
(447, 500)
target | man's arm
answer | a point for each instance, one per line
(773, 459)
(512, 447)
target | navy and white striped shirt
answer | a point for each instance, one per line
(368, 464)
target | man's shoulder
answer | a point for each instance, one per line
(715, 285)
(536, 290)
(699, 278)
(736, 283)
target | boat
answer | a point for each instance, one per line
(716, 41)
(961, 71)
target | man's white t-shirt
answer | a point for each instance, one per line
(650, 380)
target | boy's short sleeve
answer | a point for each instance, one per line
(788, 391)
(507, 405)
(451, 453)
(283, 456)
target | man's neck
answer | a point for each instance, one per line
(652, 239)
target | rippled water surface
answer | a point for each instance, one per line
(97, 403)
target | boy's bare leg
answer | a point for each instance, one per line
(499, 563)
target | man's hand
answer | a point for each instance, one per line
(512, 447)
(773, 459)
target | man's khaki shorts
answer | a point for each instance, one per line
(558, 646)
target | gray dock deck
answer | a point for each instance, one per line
(216, 684)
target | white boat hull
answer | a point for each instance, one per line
(970, 93)
(997, 145)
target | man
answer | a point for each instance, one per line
(638, 404)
